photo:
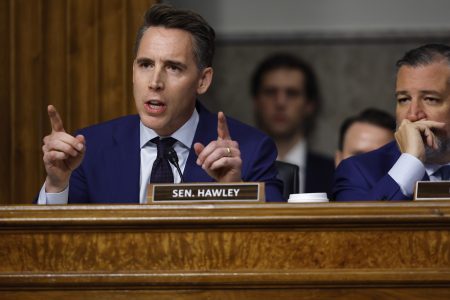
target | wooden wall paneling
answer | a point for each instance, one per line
(112, 55)
(5, 102)
(55, 61)
(134, 17)
(83, 63)
(74, 54)
(55, 77)
(27, 99)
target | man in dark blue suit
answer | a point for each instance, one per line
(422, 147)
(114, 161)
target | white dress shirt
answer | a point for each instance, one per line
(184, 136)
(408, 170)
(297, 156)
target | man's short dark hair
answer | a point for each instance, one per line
(288, 61)
(167, 16)
(425, 55)
(370, 116)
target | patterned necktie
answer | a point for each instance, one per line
(161, 171)
(444, 172)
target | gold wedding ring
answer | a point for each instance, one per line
(228, 151)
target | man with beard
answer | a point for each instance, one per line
(421, 150)
(286, 101)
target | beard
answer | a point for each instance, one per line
(441, 155)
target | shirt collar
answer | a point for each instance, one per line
(432, 168)
(185, 134)
(297, 155)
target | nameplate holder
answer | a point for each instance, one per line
(432, 190)
(183, 193)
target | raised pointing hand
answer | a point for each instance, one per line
(221, 159)
(222, 127)
(63, 153)
(55, 119)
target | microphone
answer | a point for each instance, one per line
(172, 156)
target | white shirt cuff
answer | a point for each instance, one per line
(53, 198)
(406, 172)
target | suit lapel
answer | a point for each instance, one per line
(125, 155)
(206, 132)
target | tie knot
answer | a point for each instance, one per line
(444, 172)
(163, 144)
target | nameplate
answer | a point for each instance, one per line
(432, 190)
(241, 192)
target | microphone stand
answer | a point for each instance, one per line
(172, 156)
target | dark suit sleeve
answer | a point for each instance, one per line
(78, 188)
(353, 183)
(262, 168)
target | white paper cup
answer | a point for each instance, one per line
(308, 198)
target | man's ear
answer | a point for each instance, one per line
(337, 158)
(205, 80)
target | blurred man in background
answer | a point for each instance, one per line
(367, 131)
(286, 102)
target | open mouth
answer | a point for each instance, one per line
(155, 106)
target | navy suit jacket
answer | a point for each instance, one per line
(365, 176)
(110, 171)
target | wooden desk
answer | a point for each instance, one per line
(377, 250)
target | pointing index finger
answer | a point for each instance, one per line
(55, 119)
(222, 127)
